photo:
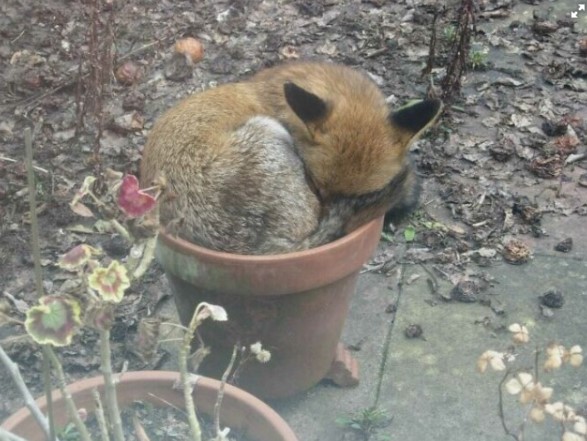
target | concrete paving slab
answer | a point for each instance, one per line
(430, 386)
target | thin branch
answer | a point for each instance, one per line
(5, 435)
(187, 380)
(117, 226)
(39, 169)
(146, 258)
(220, 396)
(69, 403)
(100, 417)
(389, 332)
(36, 251)
(500, 409)
(29, 401)
(432, 44)
(28, 144)
(536, 360)
(7, 319)
(109, 385)
(47, 389)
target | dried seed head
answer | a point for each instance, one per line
(191, 48)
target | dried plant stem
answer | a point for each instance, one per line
(109, 385)
(387, 344)
(28, 144)
(451, 83)
(29, 401)
(220, 396)
(119, 228)
(46, 370)
(5, 435)
(146, 258)
(100, 417)
(536, 361)
(500, 407)
(140, 432)
(69, 403)
(36, 249)
(432, 45)
(39, 169)
(12, 320)
(187, 380)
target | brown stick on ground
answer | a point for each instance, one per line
(451, 83)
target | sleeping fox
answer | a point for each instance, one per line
(296, 156)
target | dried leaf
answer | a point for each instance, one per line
(81, 210)
(84, 190)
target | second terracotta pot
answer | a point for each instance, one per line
(295, 304)
(240, 410)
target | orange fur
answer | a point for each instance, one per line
(318, 162)
(354, 150)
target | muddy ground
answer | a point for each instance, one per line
(509, 152)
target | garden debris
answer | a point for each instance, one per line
(565, 245)
(552, 298)
(414, 331)
(516, 252)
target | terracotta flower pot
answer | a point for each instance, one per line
(295, 304)
(240, 410)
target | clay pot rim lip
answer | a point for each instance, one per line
(190, 248)
(248, 400)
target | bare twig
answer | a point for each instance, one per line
(100, 417)
(146, 258)
(432, 44)
(117, 226)
(451, 83)
(140, 431)
(386, 345)
(8, 319)
(188, 380)
(69, 403)
(501, 412)
(220, 395)
(377, 52)
(47, 388)
(109, 385)
(25, 393)
(575, 157)
(36, 251)
(39, 169)
(5, 435)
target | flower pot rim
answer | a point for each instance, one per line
(190, 248)
(250, 403)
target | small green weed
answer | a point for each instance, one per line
(478, 57)
(409, 234)
(449, 33)
(366, 422)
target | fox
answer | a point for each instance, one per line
(296, 156)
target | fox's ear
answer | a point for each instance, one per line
(310, 108)
(416, 116)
